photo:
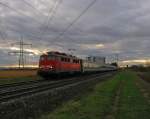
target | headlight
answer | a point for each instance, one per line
(41, 67)
(50, 67)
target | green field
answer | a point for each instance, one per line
(119, 98)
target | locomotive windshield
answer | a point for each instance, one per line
(51, 57)
(42, 58)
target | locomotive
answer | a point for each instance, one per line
(57, 63)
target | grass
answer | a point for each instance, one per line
(132, 104)
(91, 107)
(13, 76)
(145, 75)
(99, 104)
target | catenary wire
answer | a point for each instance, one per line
(75, 20)
(30, 5)
(15, 10)
(51, 15)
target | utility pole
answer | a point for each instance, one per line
(117, 57)
(21, 52)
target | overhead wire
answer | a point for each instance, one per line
(2, 33)
(18, 12)
(49, 13)
(54, 11)
(30, 5)
(75, 20)
(2, 36)
(50, 16)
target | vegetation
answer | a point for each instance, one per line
(140, 68)
(132, 104)
(145, 75)
(118, 98)
(12, 76)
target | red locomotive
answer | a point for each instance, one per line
(58, 63)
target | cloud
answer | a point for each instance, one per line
(109, 27)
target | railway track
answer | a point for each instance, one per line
(19, 90)
(19, 84)
(23, 83)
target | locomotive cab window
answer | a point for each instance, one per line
(42, 58)
(51, 57)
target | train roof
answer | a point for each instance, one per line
(60, 54)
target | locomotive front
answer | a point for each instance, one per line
(56, 63)
(47, 65)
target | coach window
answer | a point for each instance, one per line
(64, 59)
(73, 61)
(68, 60)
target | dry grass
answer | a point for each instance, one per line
(5, 74)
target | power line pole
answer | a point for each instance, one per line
(21, 52)
(117, 57)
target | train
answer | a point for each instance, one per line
(55, 63)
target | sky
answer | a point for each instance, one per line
(107, 28)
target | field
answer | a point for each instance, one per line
(145, 75)
(12, 76)
(122, 97)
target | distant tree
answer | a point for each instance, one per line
(114, 64)
(140, 68)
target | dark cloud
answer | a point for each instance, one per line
(123, 27)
